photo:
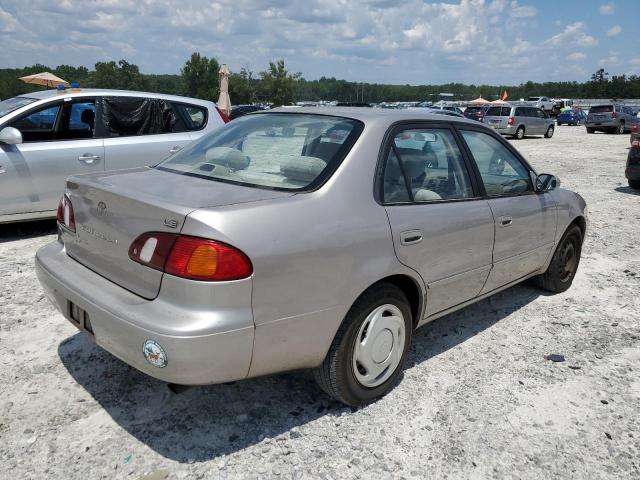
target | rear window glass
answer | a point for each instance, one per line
(601, 109)
(498, 112)
(276, 151)
(473, 109)
(11, 104)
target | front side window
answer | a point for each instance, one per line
(425, 165)
(38, 126)
(277, 151)
(501, 171)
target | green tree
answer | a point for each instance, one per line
(122, 75)
(79, 75)
(278, 84)
(200, 77)
(243, 87)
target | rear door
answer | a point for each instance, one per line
(497, 117)
(141, 131)
(58, 141)
(441, 227)
(525, 221)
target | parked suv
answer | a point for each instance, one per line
(47, 136)
(611, 118)
(519, 120)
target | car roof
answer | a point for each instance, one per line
(83, 92)
(372, 115)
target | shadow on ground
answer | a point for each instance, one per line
(629, 190)
(17, 231)
(205, 422)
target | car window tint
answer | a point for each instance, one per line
(431, 162)
(38, 126)
(133, 116)
(78, 121)
(502, 173)
(193, 116)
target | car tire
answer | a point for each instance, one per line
(621, 129)
(549, 132)
(564, 264)
(519, 133)
(635, 184)
(591, 130)
(559, 123)
(341, 375)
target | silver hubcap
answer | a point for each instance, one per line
(379, 346)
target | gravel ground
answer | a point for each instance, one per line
(477, 399)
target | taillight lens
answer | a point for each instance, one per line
(635, 144)
(190, 257)
(511, 121)
(65, 214)
(224, 117)
(634, 129)
(614, 115)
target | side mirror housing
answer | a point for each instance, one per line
(10, 136)
(545, 182)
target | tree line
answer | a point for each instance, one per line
(199, 78)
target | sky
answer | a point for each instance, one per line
(500, 42)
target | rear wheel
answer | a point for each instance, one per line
(519, 133)
(549, 133)
(369, 349)
(591, 130)
(634, 184)
(564, 264)
(621, 129)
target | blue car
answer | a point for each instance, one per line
(571, 117)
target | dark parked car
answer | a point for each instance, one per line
(476, 112)
(352, 104)
(571, 117)
(632, 171)
(241, 110)
(612, 118)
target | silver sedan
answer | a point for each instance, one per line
(305, 238)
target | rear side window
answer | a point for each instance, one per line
(194, 117)
(78, 120)
(133, 116)
(601, 109)
(501, 171)
(425, 165)
(498, 112)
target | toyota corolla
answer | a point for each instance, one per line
(306, 239)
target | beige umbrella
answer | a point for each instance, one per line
(498, 102)
(480, 101)
(224, 102)
(46, 79)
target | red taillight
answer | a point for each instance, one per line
(614, 115)
(65, 214)
(190, 257)
(635, 144)
(511, 121)
(634, 129)
(224, 117)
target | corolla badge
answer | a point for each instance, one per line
(154, 353)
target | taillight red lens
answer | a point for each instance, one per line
(511, 121)
(201, 259)
(614, 115)
(634, 129)
(635, 144)
(65, 214)
(224, 117)
(190, 257)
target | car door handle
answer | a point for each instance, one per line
(175, 148)
(410, 237)
(506, 221)
(88, 158)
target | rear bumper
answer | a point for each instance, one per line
(632, 172)
(202, 345)
(603, 124)
(509, 130)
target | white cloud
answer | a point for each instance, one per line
(8, 24)
(607, 9)
(613, 31)
(574, 35)
(518, 11)
(576, 56)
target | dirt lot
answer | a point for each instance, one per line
(477, 400)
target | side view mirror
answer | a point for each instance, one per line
(10, 136)
(545, 182)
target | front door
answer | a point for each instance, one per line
(525, 221)
(441, 227)
(58, 141)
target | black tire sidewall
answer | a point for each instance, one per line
(553, 275)
(520, 133)
(351, 390)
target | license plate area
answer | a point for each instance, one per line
(80, 317)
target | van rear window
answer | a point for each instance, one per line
(601, 109)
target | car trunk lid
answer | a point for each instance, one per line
(112, 209)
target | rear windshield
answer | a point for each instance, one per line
(275, 150)
(601, 109)
(533, 99)
(11, 104)
(498, 112)
(473, 109)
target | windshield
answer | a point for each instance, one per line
(11, 104)
(275, 150)
(601, 109)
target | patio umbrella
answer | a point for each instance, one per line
(224, 102)
(498, 102)
(480, 101)
(46, 79)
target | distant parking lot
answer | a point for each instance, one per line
(478, 399)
